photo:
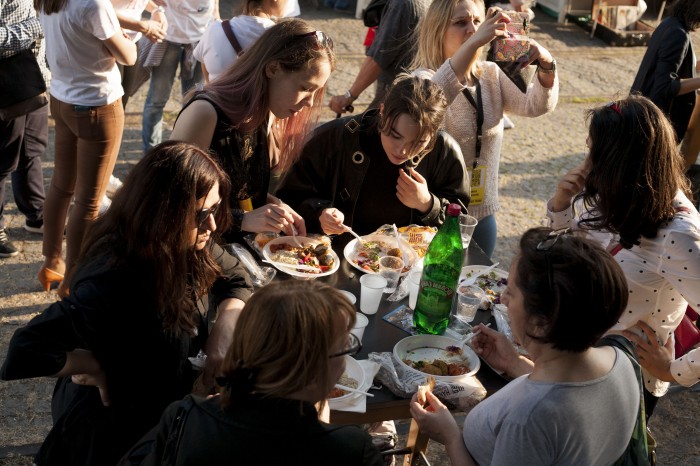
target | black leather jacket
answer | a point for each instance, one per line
(333, 165)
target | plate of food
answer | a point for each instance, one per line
(442, 357)
(365, 257)
(353, 377)
(313, 259)
(493, 282)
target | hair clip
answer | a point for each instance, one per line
(241, 380)
(614, 106)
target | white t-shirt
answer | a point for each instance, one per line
(132, 9)
(216, 52)
(83, 71)
(187, 20)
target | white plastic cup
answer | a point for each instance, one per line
(390, 267)
(371, 290)
(413, 287)
(361, 322)
(351, 297)
(467, 223)
(469, 298)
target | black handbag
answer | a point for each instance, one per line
(23, 86)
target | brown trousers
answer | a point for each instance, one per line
(86, 148)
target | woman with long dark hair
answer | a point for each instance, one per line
(138, 309)
(630, 195)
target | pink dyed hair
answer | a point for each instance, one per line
(242, 91)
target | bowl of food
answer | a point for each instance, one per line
(442, 357)
(312, 259)
(353, 377)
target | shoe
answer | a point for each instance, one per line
(7, 249)
(104, 205)
(113, 186)
(34, 226)
(47, 276)
(507, 122)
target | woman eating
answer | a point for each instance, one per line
(631, 196)
(392, 165)
(451, 36)
(266, 414)
(120, 343)
(278, 81)
(570, 402)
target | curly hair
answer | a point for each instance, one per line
(574, 290)
(150, 223)
(636, 170)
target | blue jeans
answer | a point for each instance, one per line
(162, 79)
(485, 234)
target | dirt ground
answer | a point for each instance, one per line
(535, 154)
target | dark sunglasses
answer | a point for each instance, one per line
(322, 40)
(352, 347)
(202, 216)
(546, 246)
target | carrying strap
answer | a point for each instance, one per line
(228, 30)
(172, 446)
(479, 106)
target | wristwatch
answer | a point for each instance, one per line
(348, 95)
(551, 70)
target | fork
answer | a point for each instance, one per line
(294, 235)
(349, 230)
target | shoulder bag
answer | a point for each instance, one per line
(228, 30)
(23, 86)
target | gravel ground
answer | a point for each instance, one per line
(535, 154)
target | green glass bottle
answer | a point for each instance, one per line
(441, 269)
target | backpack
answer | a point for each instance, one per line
(372, 15)
(641, 447)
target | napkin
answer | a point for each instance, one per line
(357, 403)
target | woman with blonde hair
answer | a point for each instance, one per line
(451, 36)
(288, 352)
(280, 80)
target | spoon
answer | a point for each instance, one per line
(353, 390)
(471, 280)
(471, 336)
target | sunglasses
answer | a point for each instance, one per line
(352, 347)
(546, 246)
(322, 40)
(201, 216)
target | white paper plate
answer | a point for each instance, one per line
(488, 283)
(409, 254)
(290, 269)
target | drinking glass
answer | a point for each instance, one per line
(390, 267)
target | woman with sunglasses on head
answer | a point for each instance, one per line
(571, 403)
(391, 165)
(255, 116)
(451, 36)
(630, 195)
(138, 309)
(265, 413)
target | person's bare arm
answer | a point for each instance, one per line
(121, 48)
(196, 124)
(689, 85)
(369, 72)
(151, 29)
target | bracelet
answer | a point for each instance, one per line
(159, 9)
(552, 70)
(348, 95)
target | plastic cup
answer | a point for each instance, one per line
(371, 289)
(351, 297)
(467, 223)
(469, 298)
(361, 322)
(413, 287)
(390, 267)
